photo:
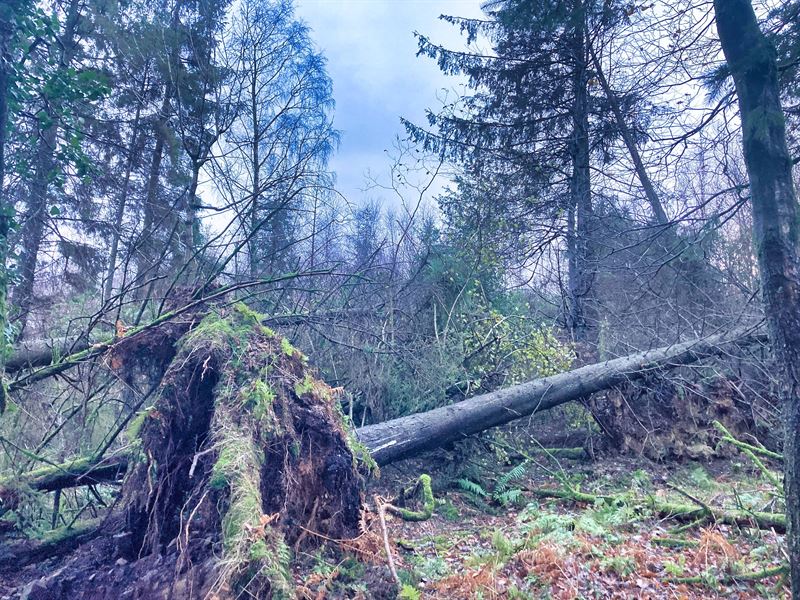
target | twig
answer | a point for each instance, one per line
(382, 520)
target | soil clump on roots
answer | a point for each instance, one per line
(242, 462)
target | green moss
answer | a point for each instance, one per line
(224, 331)
(136, 424)
(428, 503)
(305, 386)
(259, 551)
(62, 534)
(361, 455)
(229, 459)
(258, 399)
(254, 318)
(287, 347)
(448, 511)
(245, 509)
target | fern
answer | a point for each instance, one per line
(512, 496)
(471, 487)
(409, 592)
(514, 474)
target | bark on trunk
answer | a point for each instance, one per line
(37, 212)
(122, 203)
(659, 215)
(154, 211)
(776, 224)
(6, 204)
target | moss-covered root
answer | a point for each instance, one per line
(751, 451)
(428, 502)
(243, 446)
(256, 559)
(729, 578)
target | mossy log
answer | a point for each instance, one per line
(80, 471)
(57, 543)
(672, 510)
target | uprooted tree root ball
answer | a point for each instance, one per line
(242, 461)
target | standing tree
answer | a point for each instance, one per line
(776, 223)
(274, 157)
(532, 128)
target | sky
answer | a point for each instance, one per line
(377, 77)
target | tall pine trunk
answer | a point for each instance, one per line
(583, 262)
(776, 226)
(6, 204)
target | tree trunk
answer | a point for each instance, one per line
(583, 311)
(153, 209)
(409, 436)
(659, 215)
(37, 212)
(122, 204)
(776, 224)
(6, 204)
(33, 227)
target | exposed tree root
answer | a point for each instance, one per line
(243, 452)
(733, 578)
(428, 502)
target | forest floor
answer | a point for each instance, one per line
(494, 535)
(474, 546)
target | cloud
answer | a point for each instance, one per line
(377, 78)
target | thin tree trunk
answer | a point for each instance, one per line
(659, 214)
(37, 213)
(255, 170)
(33, 227)
(6, 204)
(189, 234)
(145, 248)
(121, 204)
(776, 224)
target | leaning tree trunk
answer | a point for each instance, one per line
(776, 224)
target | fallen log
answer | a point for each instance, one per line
(73, 473)
(63, 354)
(687, 513)
(411, 435)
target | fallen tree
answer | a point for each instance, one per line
(411, 435)
(242, 454)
